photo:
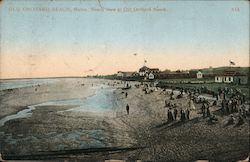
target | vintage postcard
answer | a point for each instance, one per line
(124, 80)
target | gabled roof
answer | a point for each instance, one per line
(144, 68)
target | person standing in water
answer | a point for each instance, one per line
(127, 108)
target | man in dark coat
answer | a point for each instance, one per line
(170, 116)
(183, 117)
(227, 107)
(127, 108)
(203, 110)
(188, 114)
(175, 114)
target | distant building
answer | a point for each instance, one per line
(231, 77)
(199, 75)
(219, 79)
(148, 73)
(120, 74)
(225, 77)
(126, 74)
(143, 70)
(151, 76)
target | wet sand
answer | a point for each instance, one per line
(14, 100)
(52, 127)
(146, 127)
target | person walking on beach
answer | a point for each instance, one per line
(126, 94)
(166, 103)
(183, 118)
(170, 116)
(234, 105)
(217, 97)
(208, 112)
(127, 108)
(175, 114)
(227, 106)
(188, 114)
(203, 110)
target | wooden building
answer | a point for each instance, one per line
(232, 77)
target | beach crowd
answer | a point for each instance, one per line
(231, 103)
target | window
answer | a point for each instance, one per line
(229, 79)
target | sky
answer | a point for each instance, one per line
(53, 38)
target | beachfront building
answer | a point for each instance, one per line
(151, 76)
(199, 75)
(231, 77)
(143, 71)
(148, 73)
(225, 77)
(120, 74)
(218, 79)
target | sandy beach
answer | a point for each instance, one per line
(143, 134)
(52, 127)
(14, 100)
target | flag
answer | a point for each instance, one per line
(232, 63)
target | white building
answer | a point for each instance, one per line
(199, 75)
(218, 79)
(148, 73)
(151, 76)
(143, 71)
(120, 74)
(226, 77)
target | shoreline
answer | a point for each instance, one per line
(17, 99)
(70, 124)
